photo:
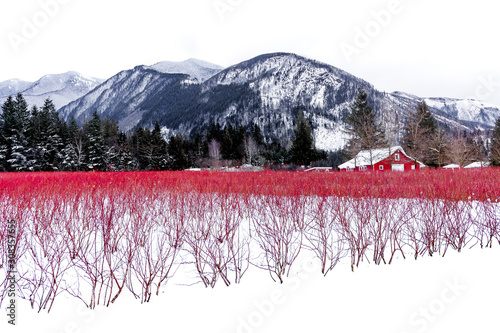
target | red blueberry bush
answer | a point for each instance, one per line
(97, 235)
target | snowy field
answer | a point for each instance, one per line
(457, 293)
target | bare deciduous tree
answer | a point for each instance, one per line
(214, 152)
(251, 149)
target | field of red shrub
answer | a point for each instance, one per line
(97, 235)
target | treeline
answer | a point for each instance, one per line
(37, 139)
(420, 135)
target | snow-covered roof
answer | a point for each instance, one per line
(478, 165)
(452, 166)
(319, 169)
(363, 157)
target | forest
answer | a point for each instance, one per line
(37, 139)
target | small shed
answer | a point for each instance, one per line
(385, 159)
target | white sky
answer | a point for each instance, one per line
(429, 48)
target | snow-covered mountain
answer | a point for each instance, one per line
(197, 69)
(128, 95)
(267, 90)
(282, 83)
(467, 110)
(12, 87)
(60, 88)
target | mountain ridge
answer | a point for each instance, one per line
(60, 88)
(266, 90)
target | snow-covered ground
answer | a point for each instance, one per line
(455, 293)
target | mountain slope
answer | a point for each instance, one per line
(466, 110)
(267, 90)
(123, 96)
(198, 70)
(12, 87)
(60, 88)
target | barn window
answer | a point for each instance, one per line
(381, 167)
(363, 168)
(396, 157)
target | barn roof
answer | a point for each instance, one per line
(363, 157)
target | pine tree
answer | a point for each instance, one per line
(6, 132)
(428, 121)
(196, 150)
(126, 160)
(111, 134)
(45, 138)
(227, 146)
(15, 121)
(419, 131)
(361, 125)
(495, 145)
(159, 149)
(257, 135)
(177, 154)
(73, 155)
(149, 148)
(302, 151)
(94, 144)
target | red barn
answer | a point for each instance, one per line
(384, 159)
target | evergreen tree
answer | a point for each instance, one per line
(45, 138)
(495, 145)
(302, 151)
(177, 154)
(73, 154)
(94, 144)
(419, 131)
(15, 125)
(214, 132)
(6, 132)
(135, 144)
(111, 134)
(126, 160)
(227, 147)
(361, 125)
(196, 150)
(428, 121)
(256, 135)
(159, 149)
(149, 148)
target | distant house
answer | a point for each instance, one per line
(381, 160)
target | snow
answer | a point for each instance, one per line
(329, 139)
(477, 165)
(60, 88)
(452, 166)
(466, 109)
(457, 293)
(12, 87)
(198, 69)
